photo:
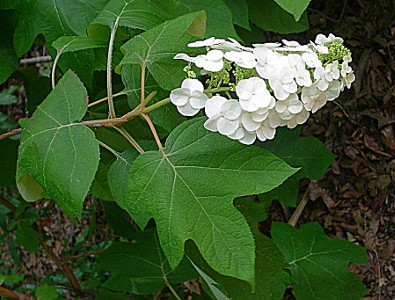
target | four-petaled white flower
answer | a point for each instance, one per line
(253, 94)
(289, 107)
(283, 84)
(345, 69)
(244, 59)
(311, 59)
(212, 61)
(190, 98)
(332, 71)
(320, 79)
(223, 115)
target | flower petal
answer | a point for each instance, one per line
(187, 110)
(227, 127)
(180, 96)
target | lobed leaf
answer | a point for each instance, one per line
(294, 7)
(189, 192)
(62, 156)
(317, 264)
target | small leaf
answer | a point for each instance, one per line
(155, 49)
(27, 237)
(268, 15)
(46, 292)
(294, 7)
(141, 267)
(319, 267)
(190, 189)
(6, 96)
(61, 155)
(9, 61)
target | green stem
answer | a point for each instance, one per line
(217, 90)
(106, 98)
(109, 66)
(173, 291)
(130, 139)
(156, 105)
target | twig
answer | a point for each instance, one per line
(298, 211)
(153, 130)
(10, 133)
(63, 265)
(106, 98)
(131, 140)
(172, 291)
(83, 255)
(142, 86)
(35, 60)
(9, 205)
(10, 294)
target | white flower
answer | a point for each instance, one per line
(332, 71)
(347, 81)
(267, 45)
(253, 94)
(242, 58)
(185, 57)
(292, 46)
(320, 48)
(206, 43)
(298, 119)
(345, 69)
(294, 62)
(252, 120)
(223, 115)
(289, 107)
(311, 59)
(313, 99)
(243, 136)
(283, 84)
(233, 45)
(265, 131)
(303, 77)
(335, 39)
(268, 60)
(212, 61)
(321, 39)
(347, 58)
(190, 98)
(321, 82)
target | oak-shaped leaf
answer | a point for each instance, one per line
(295, 7)
(140, 266)
(319, 267)
(61, 155)
(189, 190)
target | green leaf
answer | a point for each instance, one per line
(268, 15)
(75, 43)
(239, 9)
(308, 153)
(118, 173)
(53, 19)
(142, 14)
(8, 158)
(100, 187)
(46, 292)
(6, 96)
(294, 7)
(9, 61)
(271, 279)
(141, 267)
(319, 266)
(219, 16)
(61, 155)
(106, 294)
(155, 49)
(27, 237)
(167, 116)
(190, 189)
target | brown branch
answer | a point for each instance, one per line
(83, 255)
(10, 133)
(8, 293)
(298, 211)
(9, 205)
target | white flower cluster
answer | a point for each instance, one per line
(272, 84)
